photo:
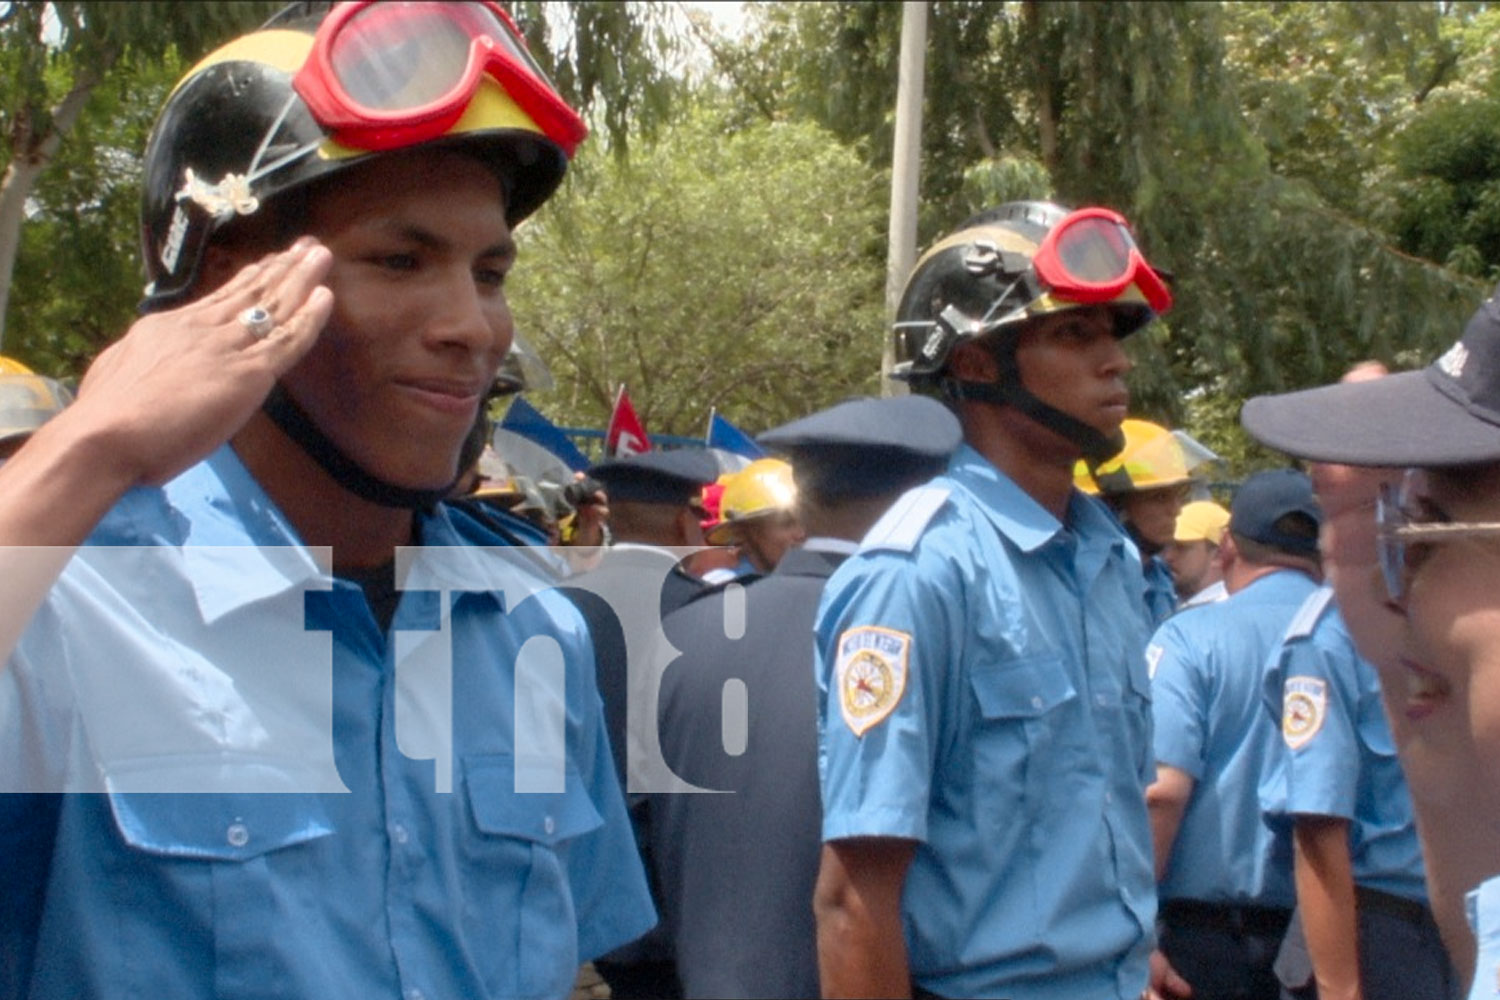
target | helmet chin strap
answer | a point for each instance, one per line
(297, 425)
(1007, 390)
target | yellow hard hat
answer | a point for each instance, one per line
(1201, 521)
(1153, 458)
(27, 400)
(761, 488)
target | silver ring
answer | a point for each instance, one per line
(258, 321)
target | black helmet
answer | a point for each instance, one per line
(981, 281)
(236, 133)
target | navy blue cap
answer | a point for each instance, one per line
(1446, 414)
(671, 477)
(1266, 498)
(867, 446)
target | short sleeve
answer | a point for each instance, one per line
(1178, 699)
(1319, 726)
(884, 661)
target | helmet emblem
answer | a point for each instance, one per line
(982, 258)
(231, 196)
(172, 248)
(934, 345)
(1452, 363)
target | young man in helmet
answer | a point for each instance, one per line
(392, 797)
(1146, 485)
(986, 707)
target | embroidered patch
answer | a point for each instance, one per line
(1452, 363)
(871, 674)
(1304, 705)
(1153, 658)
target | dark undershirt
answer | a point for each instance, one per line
(379, 584)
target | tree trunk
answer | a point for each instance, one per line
(1046, 117)
(29, 157)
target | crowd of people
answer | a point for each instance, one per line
(973, 692)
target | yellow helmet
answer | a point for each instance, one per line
(1153, 458)
(1201, 521)
(27, 400)
(761, 488)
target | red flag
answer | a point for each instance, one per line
(626, 434)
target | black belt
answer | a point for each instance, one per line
(1227, 917)
(1376, 901)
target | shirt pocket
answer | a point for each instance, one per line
(228, 867)
(521, 842)
(1022, 736)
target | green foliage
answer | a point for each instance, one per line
(729, 267)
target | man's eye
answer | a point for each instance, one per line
(490, 277)
(398, 261)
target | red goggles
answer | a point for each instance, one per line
(394, 74)
(1090, 257)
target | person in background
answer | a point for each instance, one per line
(757, 515)
(1146, 485)
(1429, 618)
(1225, 876)
(736, 870)
(984, 703)
(1193, 556)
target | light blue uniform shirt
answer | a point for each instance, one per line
(395, 889)
(992, 659)
(1208, 665)
(1342, 758)
(1484, 918)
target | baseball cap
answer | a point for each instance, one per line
(1266, 498)
(1201, 521)
(1445, 414)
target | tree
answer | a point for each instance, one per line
(1243, 141)
(736, 267)
(56, 54)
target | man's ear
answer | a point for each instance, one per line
(971, 362)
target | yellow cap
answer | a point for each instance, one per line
(1201, 521)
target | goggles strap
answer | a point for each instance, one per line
(1007, 390)
(297, 425)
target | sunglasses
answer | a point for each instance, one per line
(1404, 531)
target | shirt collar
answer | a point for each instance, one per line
(239, 548)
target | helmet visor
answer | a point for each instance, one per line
(1090, 257)
(388, 75)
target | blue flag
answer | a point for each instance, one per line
(527, 421)
(724, 435)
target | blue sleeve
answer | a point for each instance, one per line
(885, 636)
(1320, 728)
(1179, 699)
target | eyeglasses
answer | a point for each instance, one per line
(1401, 536)
(1090, 257)
(389, 75)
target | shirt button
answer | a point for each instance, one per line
(1036, 702)
(399, 832)
(1109, 797)
(415, 994)
(1101, 700)
(549, 826)
(238, 835)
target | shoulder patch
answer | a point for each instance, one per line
(901, 525)
(871, 674)
(1306, 619)
(1304, 706)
